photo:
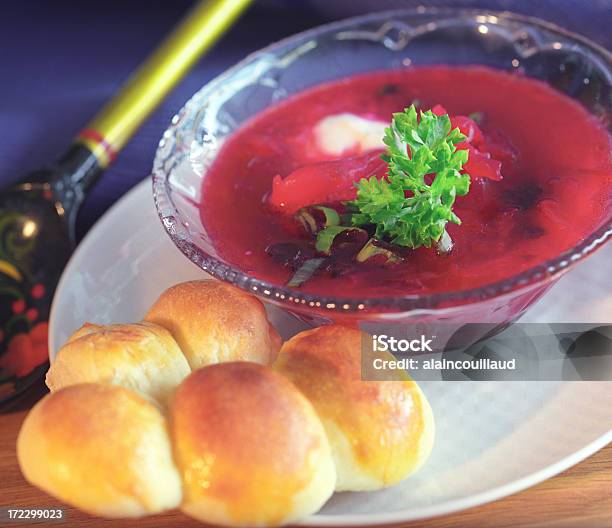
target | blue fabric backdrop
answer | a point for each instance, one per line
(62, 59)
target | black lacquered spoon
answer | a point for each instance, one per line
(38, 215)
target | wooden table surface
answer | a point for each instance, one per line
(581, 496)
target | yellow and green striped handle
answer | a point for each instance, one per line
(113, 126)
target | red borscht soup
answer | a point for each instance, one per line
(539, 164)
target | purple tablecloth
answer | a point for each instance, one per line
(62, 60)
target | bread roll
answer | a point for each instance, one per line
(249, 446)
(214, 322)
(143, 357)
(101, 448)
(380, 431)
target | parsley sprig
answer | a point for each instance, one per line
(403, 208)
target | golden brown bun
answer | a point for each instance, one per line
(380, 431)
(102, 449)
(143, 357)
(214, 322)
(249, 446)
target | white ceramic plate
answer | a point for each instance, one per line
(493, 438)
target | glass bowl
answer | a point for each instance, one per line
(384, 40)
